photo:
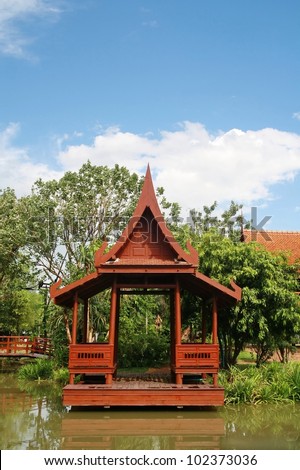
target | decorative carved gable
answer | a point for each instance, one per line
(146, 237)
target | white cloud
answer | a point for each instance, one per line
(13, 40)
(193, 166)
(196, 168)
(297, 116)
(17, 170)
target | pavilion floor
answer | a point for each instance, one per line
(142, 391)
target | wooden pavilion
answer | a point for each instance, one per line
(145, 260)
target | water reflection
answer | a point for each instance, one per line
(32, 417)
(150, 429)
(262, 427)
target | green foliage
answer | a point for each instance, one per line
(40, 369)
(269, 311)
(61, 376)
(19, 309)
(143, 350)
(293, 372)
(58, 335)
(274, 382)
(77, 213)
(141, 343)
(12, 234)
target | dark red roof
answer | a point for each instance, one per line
(275, 241)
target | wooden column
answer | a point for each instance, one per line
(113, 313)
(75, 318)
(74, 328)
(214, 321)
(177, 314)
(204, 323)
(172, 328)
(86, 321)
(215, 332)
(117, 327)
(177, 326)
(112, 325)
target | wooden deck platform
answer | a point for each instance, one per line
(142, 393)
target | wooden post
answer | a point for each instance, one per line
(172, 327)
(86, 321)
(215, 332)
(112, 325)
(177, 327)
(214, 321)
(204, 323)
(177, 314)
(113, 313)
(75, 318)
(117, 327)
(74, 328)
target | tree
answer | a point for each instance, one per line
(142, 340)
(69, 219)
(16, 313)
(269, 312)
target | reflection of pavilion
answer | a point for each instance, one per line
(146, 260)
(110, 431)
(14, 400)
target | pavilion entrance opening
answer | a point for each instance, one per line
(144, 334)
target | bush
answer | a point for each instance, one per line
(143, 350)
(275, 382)
(61, 376)
(40, 369)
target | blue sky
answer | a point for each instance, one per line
(206, 91)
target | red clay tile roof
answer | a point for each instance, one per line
(276, 241)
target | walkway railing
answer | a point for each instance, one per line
(24, 346)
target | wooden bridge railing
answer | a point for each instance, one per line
(96, 358)
(24, 345)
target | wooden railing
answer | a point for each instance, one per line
(24, 345)
(41, 346)
(92, 358)
(197, 355)
(196, 358)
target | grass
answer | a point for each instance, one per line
(271, 383)
(246, 356)
(43, 370)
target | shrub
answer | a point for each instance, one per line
(40, 369)
(143, 350)
(273, 382)
(61, 376)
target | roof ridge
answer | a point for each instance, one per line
(271, 231)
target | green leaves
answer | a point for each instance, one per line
(269, 310)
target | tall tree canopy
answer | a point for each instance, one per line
(17, 304)
(269, 313)
(69, 218)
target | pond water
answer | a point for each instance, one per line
(33, 417)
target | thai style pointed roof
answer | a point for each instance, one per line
(146, 239)
(145, 254)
